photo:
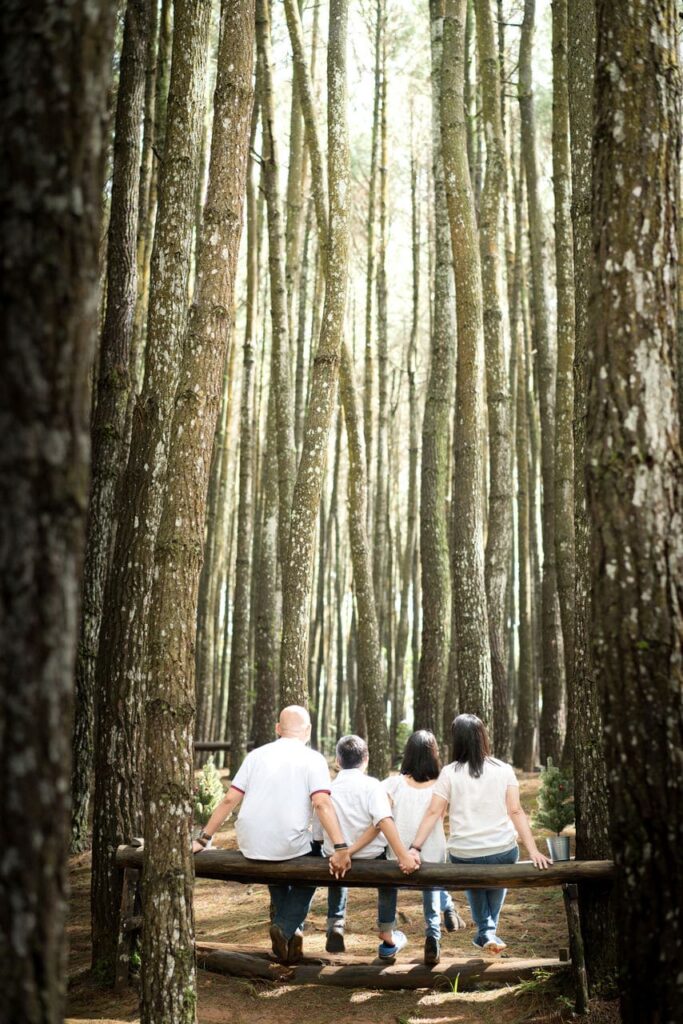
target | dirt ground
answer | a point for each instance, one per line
(532, 923)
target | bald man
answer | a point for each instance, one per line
(278, 786)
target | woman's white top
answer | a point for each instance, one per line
(479, 822)
(409, 806)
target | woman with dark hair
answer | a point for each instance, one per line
(410, 793)
(485, 816)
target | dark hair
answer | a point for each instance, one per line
(471, 744)
(351, 751)
(421, 757)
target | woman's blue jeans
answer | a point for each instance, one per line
(486, 904)
(434, 901)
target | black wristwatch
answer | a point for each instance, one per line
(414, 847)
(341, 846)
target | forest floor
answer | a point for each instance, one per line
(533, 923)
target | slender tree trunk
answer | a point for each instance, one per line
(564, 275)
(113, 386)
(307, 490)
(280, 381)
(499, 532)
(370, 688)
(469, 593)
(434, 551)
(552, 716)
(635, 489)
(54, 74)
(121, 663)
(238, 689)
(598, 923)
(168, 965)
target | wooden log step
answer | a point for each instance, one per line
(229, 865)
(377, 975)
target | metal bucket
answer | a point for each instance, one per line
(558, 848)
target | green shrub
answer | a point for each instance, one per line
(208, 794)
(555, 799)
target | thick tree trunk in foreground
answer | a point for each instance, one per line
(499, 530)
(635, 489)
(590, 772)
(309, 481)
(469, 594)
(168, 968)
(121, 663)
(435, 577)
(55, 84)
(113, 387)
(552, 716)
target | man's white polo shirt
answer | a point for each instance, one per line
(360, 801)
(278, 781)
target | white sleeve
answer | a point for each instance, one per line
(510, 777)
(378, 804)
(442, 786)
(241, 780)
(318, 775)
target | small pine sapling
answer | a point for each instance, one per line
(208, 794)
(555, 799)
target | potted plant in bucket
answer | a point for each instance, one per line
(555, 809)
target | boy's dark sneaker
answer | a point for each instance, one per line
(453, 920)
(295, 947)
(335, 942)
(432, 952)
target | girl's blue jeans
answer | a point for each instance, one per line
(486, 904)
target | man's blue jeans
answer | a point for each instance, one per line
(486, 904)
(291, 904)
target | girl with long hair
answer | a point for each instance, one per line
(485, 819)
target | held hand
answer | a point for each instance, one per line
(340, 862)
(416, 854)
(197, 847)
(538, 860)
(409, 863)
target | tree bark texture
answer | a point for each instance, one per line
(121, 662)
(499, 527)
(54, 74)
(324, 377)
(590, 772)
(108, 428)
(635, 489)
(434, 553)
(168, 966)
(552, 715)
(469, 592)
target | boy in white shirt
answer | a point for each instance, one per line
(364, 815)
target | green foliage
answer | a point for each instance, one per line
(452, 986)
(555, 799)
(403, 734)
(208, 794)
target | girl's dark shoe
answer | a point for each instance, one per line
(432, 952)
(453, 920)
(335, 942)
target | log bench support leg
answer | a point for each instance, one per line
(129, 925)
(571, 905)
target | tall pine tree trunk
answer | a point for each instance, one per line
(635, 489)
(54, 74)
(434, 551)
(499, 530)
(469, 594)
(590, 772)
(121, 663)
(552, 716)
(325, 370)
(168, 921)
(113, 387)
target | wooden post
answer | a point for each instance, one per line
(571, 905)
(128, 926)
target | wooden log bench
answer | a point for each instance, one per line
(231, 866)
